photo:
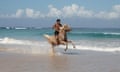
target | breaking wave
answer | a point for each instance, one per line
(42, 47)
(96, 34)
(24, 46)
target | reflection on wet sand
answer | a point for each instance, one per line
(59, 64)
(2, 49)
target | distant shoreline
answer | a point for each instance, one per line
(51, 28)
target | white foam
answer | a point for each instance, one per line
(105, 33)
(94, 48)
(42, 47)
(1, 39)
(20, 28)
(24, 46)
(7, 27)
(112, 33)
(7, 40)
(99, 49)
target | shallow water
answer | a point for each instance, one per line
(31, 40)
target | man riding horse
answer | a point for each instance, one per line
(56, 27)
(60, 36)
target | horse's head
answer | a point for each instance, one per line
(66, 28)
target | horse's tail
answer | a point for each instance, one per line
(46, 36)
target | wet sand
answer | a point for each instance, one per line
(11, 62)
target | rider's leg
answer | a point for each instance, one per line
(56, 36)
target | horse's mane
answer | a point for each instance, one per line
(66, 28)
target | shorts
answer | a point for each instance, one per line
(56, 33)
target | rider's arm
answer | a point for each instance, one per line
(53, 26)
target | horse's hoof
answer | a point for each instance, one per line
(74, 47)
(52, 54)
(65, 49)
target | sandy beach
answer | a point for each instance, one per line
(94, 62)
(83, 34)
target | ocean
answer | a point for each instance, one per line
(31, 40)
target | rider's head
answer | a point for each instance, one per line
(58, 20)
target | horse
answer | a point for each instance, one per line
(62, 38)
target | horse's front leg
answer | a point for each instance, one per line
(72, 44)
(66, 46)
(65, 43)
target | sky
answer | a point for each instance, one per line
(76, 13)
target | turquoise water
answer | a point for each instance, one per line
(84, 38)
(30, 34)
(75, 34)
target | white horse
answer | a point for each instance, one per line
(62, 38)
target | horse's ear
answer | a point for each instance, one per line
(67, 28)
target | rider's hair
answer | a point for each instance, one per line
(58, 20)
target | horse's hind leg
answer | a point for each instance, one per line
(52, 52)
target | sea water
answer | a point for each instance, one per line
(32, 41)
